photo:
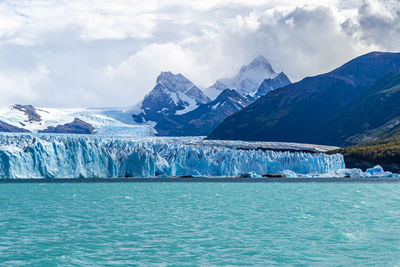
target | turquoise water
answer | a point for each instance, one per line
(199, 224)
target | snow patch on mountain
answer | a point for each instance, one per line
(214, 107)
(192, 104)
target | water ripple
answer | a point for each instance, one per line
(199, 224)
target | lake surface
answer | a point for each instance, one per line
(199, 224)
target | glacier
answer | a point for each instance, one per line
(66, 156)
(106, 121)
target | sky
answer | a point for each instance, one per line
(108, 53)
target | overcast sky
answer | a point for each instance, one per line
(72, 53)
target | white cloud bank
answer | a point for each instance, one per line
(108, 53)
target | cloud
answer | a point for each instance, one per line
(134, 76)
(18, 85)
(377, 24)
(108, 53)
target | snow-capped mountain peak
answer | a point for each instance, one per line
(259, 64)
(167, 75)
(174, 82)
(177, 83)
(173, 94)
(248, 79)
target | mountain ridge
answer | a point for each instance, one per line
(205, 118)
(168, 104)
(300, 112)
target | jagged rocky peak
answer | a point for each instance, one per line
(173, 94)
(248, 79)
(167, 75)
(260, 63)
(174, 82)
(228, 93)
(228, 102)
(232, 98)
(272, 83)
(177, 83)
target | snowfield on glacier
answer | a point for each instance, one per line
(107, 122)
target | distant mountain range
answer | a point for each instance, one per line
(355, 106)
(174, 107)
(179, 108)
(356, 102)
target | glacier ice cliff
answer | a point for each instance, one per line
(62, 156)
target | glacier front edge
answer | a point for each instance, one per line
(61, 156)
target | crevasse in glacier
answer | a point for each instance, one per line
(61, 156)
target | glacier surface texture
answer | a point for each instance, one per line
(62, 156)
